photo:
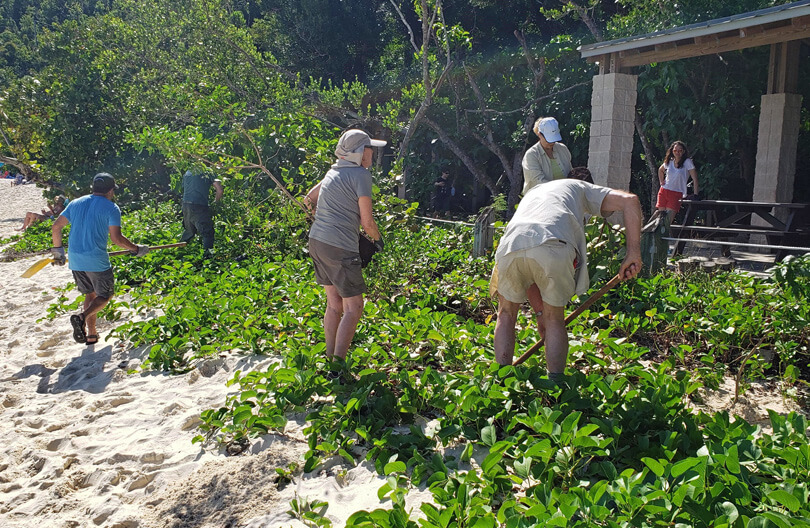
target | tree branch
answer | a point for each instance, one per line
(648, 154)
(529, 104)
(537, 72)
(408, 26)
(586, 17)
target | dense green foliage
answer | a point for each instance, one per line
(615, 444)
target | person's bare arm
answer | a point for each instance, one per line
(662, 175)
(218, 190)
(56, 231)
(630, 207)
(367, 218)
(311, 198)
(695, 186)
(120, 240)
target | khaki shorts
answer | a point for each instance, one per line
(337, 267)
(550, 266)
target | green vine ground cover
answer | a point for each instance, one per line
(615, 444)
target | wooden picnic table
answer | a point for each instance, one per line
(725, 219)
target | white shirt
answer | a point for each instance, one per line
(676, 179)
(554, 211)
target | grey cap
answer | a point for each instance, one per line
(354, 141)
(103, 182)
(549, 127)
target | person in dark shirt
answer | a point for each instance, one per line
(444, 188)
(197, 217)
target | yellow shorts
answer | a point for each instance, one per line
(550, 266)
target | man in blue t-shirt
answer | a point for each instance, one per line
(92, 218)
(197, 216)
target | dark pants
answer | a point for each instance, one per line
(197, 219)
(442, 202)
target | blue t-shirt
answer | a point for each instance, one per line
(90, 219)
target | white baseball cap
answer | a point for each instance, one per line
(549, 127)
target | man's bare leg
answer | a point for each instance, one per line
(505, 331)
(556, 338)
(536, 302)
(92, 305)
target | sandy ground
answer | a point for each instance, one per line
(88, 443)
(15, 202)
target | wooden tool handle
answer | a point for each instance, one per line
(573, 315)
(152, 248)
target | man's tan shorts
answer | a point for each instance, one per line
(550, 266)
(337, 267)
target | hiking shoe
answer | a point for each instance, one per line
(341, 377)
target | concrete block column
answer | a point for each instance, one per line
(778, 139)
(613, 110)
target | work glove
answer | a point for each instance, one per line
(59, 257)
(142, 251)
(378, 244)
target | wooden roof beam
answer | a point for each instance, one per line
(795, 29)
(751, 31)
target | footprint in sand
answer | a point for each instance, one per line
(112, 402)
(141, 481)
(57, 444)
(191, 422)
(172, 408)
(12, 400)
(51, 342)
(152, 458)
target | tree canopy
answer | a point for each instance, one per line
(143, 88)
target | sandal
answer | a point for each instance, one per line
(92, 339)
(79, 335)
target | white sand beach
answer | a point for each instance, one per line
(89, 442)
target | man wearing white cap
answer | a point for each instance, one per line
(342, 204)
(548, 159)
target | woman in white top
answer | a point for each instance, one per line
(673, 175)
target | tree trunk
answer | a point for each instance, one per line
(30, 173)
(649, 157)
(465, 158)
(515, 183)
(586, 17)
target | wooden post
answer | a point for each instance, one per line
(483, 232)
(654, 248)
